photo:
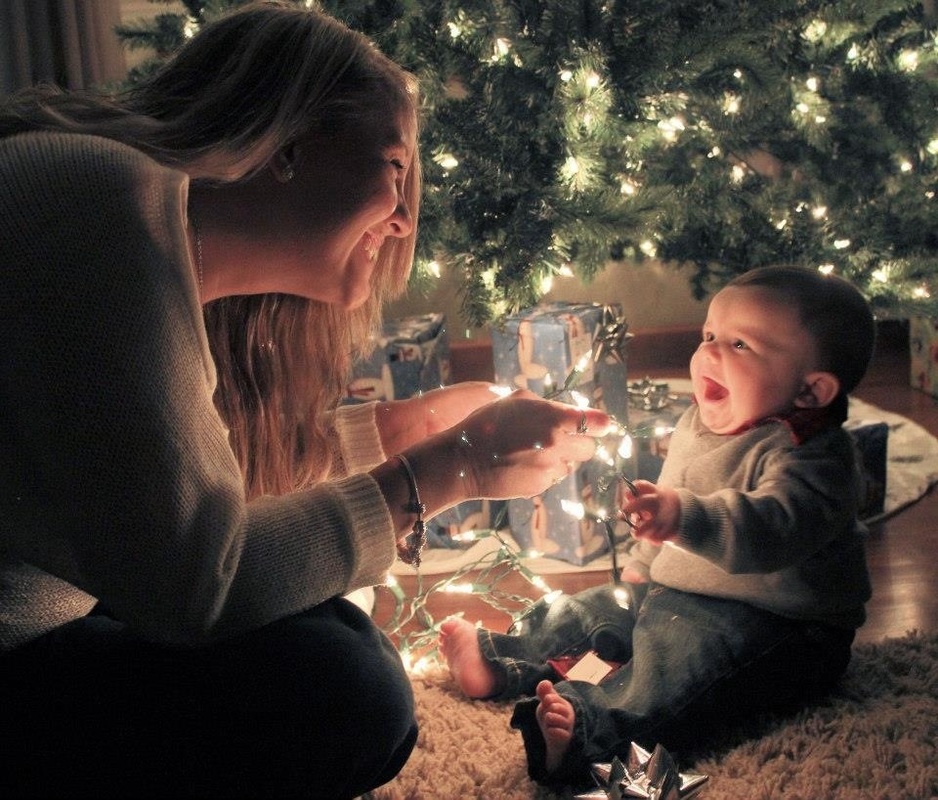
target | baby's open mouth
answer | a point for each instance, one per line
(714, 391)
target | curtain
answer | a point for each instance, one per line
(71, 43)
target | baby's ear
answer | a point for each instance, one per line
(819, 390)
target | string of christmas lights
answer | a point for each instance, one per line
(412, 625)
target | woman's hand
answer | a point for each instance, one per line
(654, 512)
(520, 445)
(513, 447)
(448, 406)
(403, 423)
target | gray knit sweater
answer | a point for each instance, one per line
(116, 478)
(764, 520)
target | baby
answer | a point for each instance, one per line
(746, 578)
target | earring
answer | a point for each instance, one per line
(288, 174)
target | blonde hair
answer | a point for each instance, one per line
(246, 85)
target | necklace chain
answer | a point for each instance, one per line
(198, 251)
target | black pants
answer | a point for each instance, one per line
(317, 705)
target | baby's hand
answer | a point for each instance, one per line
(655, 512)
(633, 575)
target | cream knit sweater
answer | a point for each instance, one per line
(116, 478)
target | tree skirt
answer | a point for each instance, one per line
(911, 469)
(874, 738)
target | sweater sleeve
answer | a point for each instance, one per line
(117, 474)
(357, 438)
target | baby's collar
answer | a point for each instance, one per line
(803, 423)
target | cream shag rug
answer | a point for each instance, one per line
(875, 738)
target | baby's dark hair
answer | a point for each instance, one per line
(832, 310)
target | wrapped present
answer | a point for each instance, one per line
(871, 439)
(562, 522)
(454, 527)
(654, 413)
(923, 351)
(412, 355)
(556, 350)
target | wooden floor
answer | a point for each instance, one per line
(902, 550)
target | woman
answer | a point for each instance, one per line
(183, 503)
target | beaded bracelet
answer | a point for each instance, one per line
(409, 552)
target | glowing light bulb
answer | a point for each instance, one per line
(815, 30)
(422, 666)
(581, 401)
(574, 509)
(625, 447)
(446, 160)
(908, 60)
(622, 597)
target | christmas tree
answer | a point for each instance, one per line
(560, 134)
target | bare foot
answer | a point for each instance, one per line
(459, 644)
(555, 716)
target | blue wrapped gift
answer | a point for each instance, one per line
(454, 528)
(411, 356)
(561, 523)
(579, 344)
(563, 350)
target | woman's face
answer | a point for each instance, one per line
(345, 199)
(318, 233)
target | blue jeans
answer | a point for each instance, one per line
(692, 664)
(317, 705)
